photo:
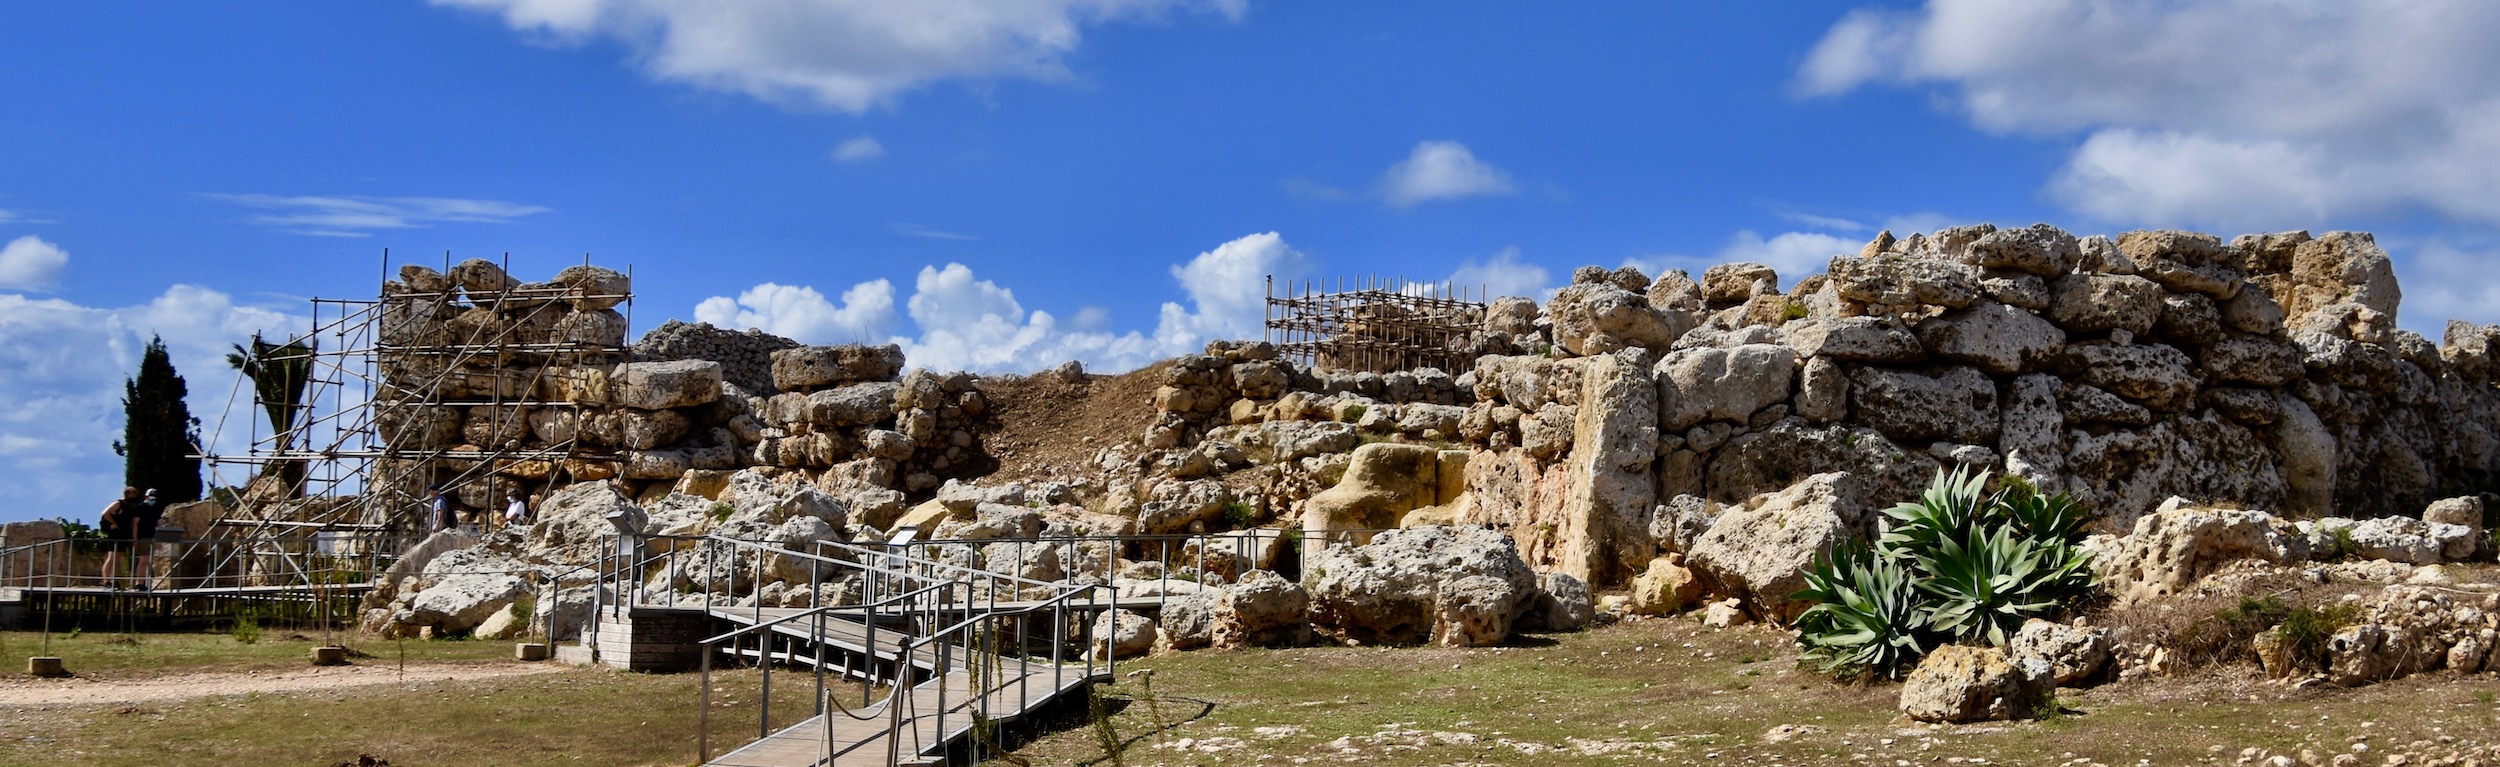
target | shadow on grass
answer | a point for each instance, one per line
(1074, 712)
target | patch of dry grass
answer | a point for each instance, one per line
(1669, 691)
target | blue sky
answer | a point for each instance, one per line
(1003, 186)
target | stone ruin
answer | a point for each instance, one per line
(491, 385)
(1689, 440)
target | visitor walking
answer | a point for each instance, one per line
(118, 522)
(143, 536)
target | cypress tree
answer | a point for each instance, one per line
(159, 436)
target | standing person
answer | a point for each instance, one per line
(444, 519)
(516, 510)
(117, 522)
(143, 536)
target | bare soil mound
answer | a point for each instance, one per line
(1042, 427)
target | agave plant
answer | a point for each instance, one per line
(2045, 517)
(1984, 586)
(1950, 507)
(1866, 616)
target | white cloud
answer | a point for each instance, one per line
(29, 263)
(2242, 113)
(1441, 170)
(61, 371)
(858, 149)
(926, 233)
(1505, 275)
(321, 216)
(962, 322)
(845, 54)
(1228, 285)
(2444, 280)
(866, 314)
(1792, 254)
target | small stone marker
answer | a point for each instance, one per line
(45, 666)
(329, 656)
(529, 651)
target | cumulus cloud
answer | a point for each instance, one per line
(1504, 274)
(1793, 254)
(960, 321)
(61, 371)
(865, 315)
(320, 216)
(845, 54)
(1441, 170)
(2243, 113)
(858, 149)
(29, 263)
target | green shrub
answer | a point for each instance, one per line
(1960, 564)
(246, 628)
(1239, 514)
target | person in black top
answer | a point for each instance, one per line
(118, 523)
(143, 536)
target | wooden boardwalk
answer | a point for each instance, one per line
(933, 715)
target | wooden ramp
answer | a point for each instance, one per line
(933, 716)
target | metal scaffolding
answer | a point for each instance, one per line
(1381, 325)
(418, 389)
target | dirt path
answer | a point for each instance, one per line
(84, 691)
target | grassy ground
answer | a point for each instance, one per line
(110, 656)
(1669, 691)
(575, 716)
(1663, 691)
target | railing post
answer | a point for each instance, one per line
(764, 660)
(703, 713)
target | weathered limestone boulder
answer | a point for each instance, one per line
(594, 288)
(2179, 543)
(1188, 621)
(2158, 375)
(2187, 262)
(1871, 340)
(2073, 653)
(481, 280)
(1261, 609)
(2039, 249)
(664, 385)
(2395, 539)
(860, 404)
(2336, 268)
(1513, 315)
(573, 528)
(1596, 318)
(1956, 404)
(1176, 506)
(1562, 603)
(1960, 683)
(1666, 588)
(1452, 586)
(1760, 551)
(1601, 524)
(2094, 304)
(1122, 634)
(1898, 280)
(1727, 285)
(1384, 481)
(1709, 384)
(1996, 338)
(2259, 360)
(2462, 511)
(2411, 629)
(458, 603)
(807, 368)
